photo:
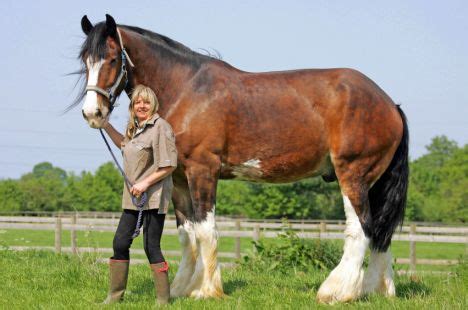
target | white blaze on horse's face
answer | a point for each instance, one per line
(94, 112)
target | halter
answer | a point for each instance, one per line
(111, 92)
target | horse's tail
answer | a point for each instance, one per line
(387, 197)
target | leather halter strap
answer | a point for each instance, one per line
(110, 93)
(99, 90)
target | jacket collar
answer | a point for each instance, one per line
(151, 121)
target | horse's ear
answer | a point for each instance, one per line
(86, 25)
(111, 26)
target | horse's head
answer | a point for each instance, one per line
(105, 61)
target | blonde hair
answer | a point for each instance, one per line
(148, 95)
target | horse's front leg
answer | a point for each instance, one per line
(185, 226)
(206, 279)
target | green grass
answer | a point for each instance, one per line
(400, 249)
(23, 237)
(429, 250)
(43, 280)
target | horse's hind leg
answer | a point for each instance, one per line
(345, 282)
(355, 175)
(183, 211)
(379, 274)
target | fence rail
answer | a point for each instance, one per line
(231, 227)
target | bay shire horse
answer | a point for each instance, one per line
(267, 127)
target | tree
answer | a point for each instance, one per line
(45, 170)
(453, 190)
(11, 196)
(93, 193)
(43, 189)
(310, 198)
(438, 191)
(438, 188)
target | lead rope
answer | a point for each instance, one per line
(137, 202)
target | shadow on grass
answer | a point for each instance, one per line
(412, 288)
(231, 286)
(142, 287)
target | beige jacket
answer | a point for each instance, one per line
(152, 147)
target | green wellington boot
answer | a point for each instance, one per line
(118, 275)
(161, 282)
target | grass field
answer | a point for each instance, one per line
(43, 280)
(400, 249)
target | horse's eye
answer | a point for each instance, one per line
(113, 62)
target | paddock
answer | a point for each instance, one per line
(64, 231)
(77, 276)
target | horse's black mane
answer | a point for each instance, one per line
(95, 47)
(95, 43)
(164, 42)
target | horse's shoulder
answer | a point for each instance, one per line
(212, 76)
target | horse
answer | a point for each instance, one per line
(272, 127)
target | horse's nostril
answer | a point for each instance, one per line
(84, 115)
(98, 113)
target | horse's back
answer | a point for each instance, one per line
(295, 120)
(287, 125)
(336, 103)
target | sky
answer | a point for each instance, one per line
(417, 51)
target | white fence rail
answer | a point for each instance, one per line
(235, 228)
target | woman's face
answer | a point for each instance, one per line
(142, 109)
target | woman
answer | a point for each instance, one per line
(150, 157)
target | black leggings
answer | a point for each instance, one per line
(153, 225)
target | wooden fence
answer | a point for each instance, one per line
(230, 227)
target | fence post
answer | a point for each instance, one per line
(73, 235)
(256, 235)
(412, 248)
(58, 234)
(323, 228)
(238, 240)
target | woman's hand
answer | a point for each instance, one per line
(139, 188)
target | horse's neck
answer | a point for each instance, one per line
(167, 74)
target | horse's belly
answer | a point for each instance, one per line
(276, 142)
(283, 169)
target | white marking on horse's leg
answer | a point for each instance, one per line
(187, 264)
(373, 273)
(206, 280)
(345, 281)
(379, 274)
(387, 286)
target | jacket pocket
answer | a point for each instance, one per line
(141, 146)
(142, 156)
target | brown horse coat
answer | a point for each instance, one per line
(267, 127)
